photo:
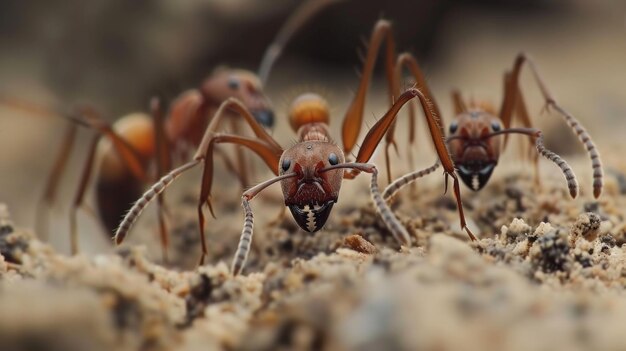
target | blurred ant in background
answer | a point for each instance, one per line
(126, 157)
(474, 140)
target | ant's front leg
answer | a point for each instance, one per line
(353, 119)
(376, 133)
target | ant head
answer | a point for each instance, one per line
(244, 86)
(474, 151)
(308, 108)
(311, 194)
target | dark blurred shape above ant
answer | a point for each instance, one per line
(135, 141)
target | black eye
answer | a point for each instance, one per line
(495, 126)
(233, 83)
(453, 127)
(333, 159)
(286, 164)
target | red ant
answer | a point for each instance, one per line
(135, 140)
(475, 144)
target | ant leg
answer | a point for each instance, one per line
(242, 169)
(407, 60)
(163, 163)
(52, 184)
(522, 112)
(459, 105)
(354, 115)
(574, 124)
(243, 248)
(376, 133)
(80, 193)
(129, 155)
(263, 150)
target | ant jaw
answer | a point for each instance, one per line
(312, 217)
(476, 174)
(264, 117)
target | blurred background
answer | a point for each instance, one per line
(116, 54)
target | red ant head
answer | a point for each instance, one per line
(311, 194)
(474, 151)
(244, 86)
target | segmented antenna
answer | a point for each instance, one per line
(397, 229)
(149, 195)
(592, 151)
(407, 179)
(393, 224)
(572, 183)
(302, 14)
(243, 248)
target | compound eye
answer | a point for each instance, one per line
(453, 127)
(333, 159)
(286, 164)
(233, 83)
(496, 126)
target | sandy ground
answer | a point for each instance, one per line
(553, 280)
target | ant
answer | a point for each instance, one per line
(474, 141)
(134, 141)
(310, 172)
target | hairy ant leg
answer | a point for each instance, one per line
(376, 133)
(353, 119)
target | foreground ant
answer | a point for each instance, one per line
(310, 172)
(135, 140)
(475, 144)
